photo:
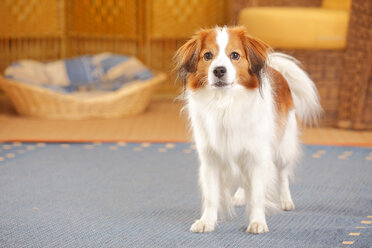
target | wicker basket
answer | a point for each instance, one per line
(40, 102)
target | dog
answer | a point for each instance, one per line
(242, 100)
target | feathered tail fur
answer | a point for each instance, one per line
(304, 92)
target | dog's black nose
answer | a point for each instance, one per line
(219, 71)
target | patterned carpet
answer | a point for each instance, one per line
(146, 195)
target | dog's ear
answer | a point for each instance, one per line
(186, 58)
(256, 52)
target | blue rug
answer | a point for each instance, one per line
(146, 195)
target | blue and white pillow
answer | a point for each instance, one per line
(101, 72)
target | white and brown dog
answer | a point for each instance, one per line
(243, 100)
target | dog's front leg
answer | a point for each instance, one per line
(210, 189)
(255, 192)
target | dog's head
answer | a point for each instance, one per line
(221, 58)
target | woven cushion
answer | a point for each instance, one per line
(297, 28)
(336, 4)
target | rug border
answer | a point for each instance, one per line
(353, 144)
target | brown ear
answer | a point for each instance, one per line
(256, 52)
(186, 58)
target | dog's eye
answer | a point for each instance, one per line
(208, 56)
(234, 56)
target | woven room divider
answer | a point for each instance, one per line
(53, 29)
(30, 29)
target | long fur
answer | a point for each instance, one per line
(304, 93)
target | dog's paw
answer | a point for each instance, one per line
(257, 227)
(287, 205)
(200, 226)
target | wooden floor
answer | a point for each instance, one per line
(161, 122)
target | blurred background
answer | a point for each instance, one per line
(331, 38)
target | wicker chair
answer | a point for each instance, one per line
(343, 77)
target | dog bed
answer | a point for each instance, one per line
(103, 85)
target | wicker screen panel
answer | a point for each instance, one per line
(78, 45)
(44, 49)
(53, 29)
(291, 3)
(356, 80)
(87, 45)
(170, 19)
(30, 17)
(160, 57)
(104, 26)
(103, 17)
(327, 81)
(367, 109)
(30, 29)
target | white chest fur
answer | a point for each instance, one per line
(233, 121)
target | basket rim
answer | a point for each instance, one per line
(133, 88)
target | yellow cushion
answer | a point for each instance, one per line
(308, 28)
(336, 4)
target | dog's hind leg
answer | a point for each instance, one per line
(285, 194)
(287, 155)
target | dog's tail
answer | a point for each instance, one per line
(304, 92)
